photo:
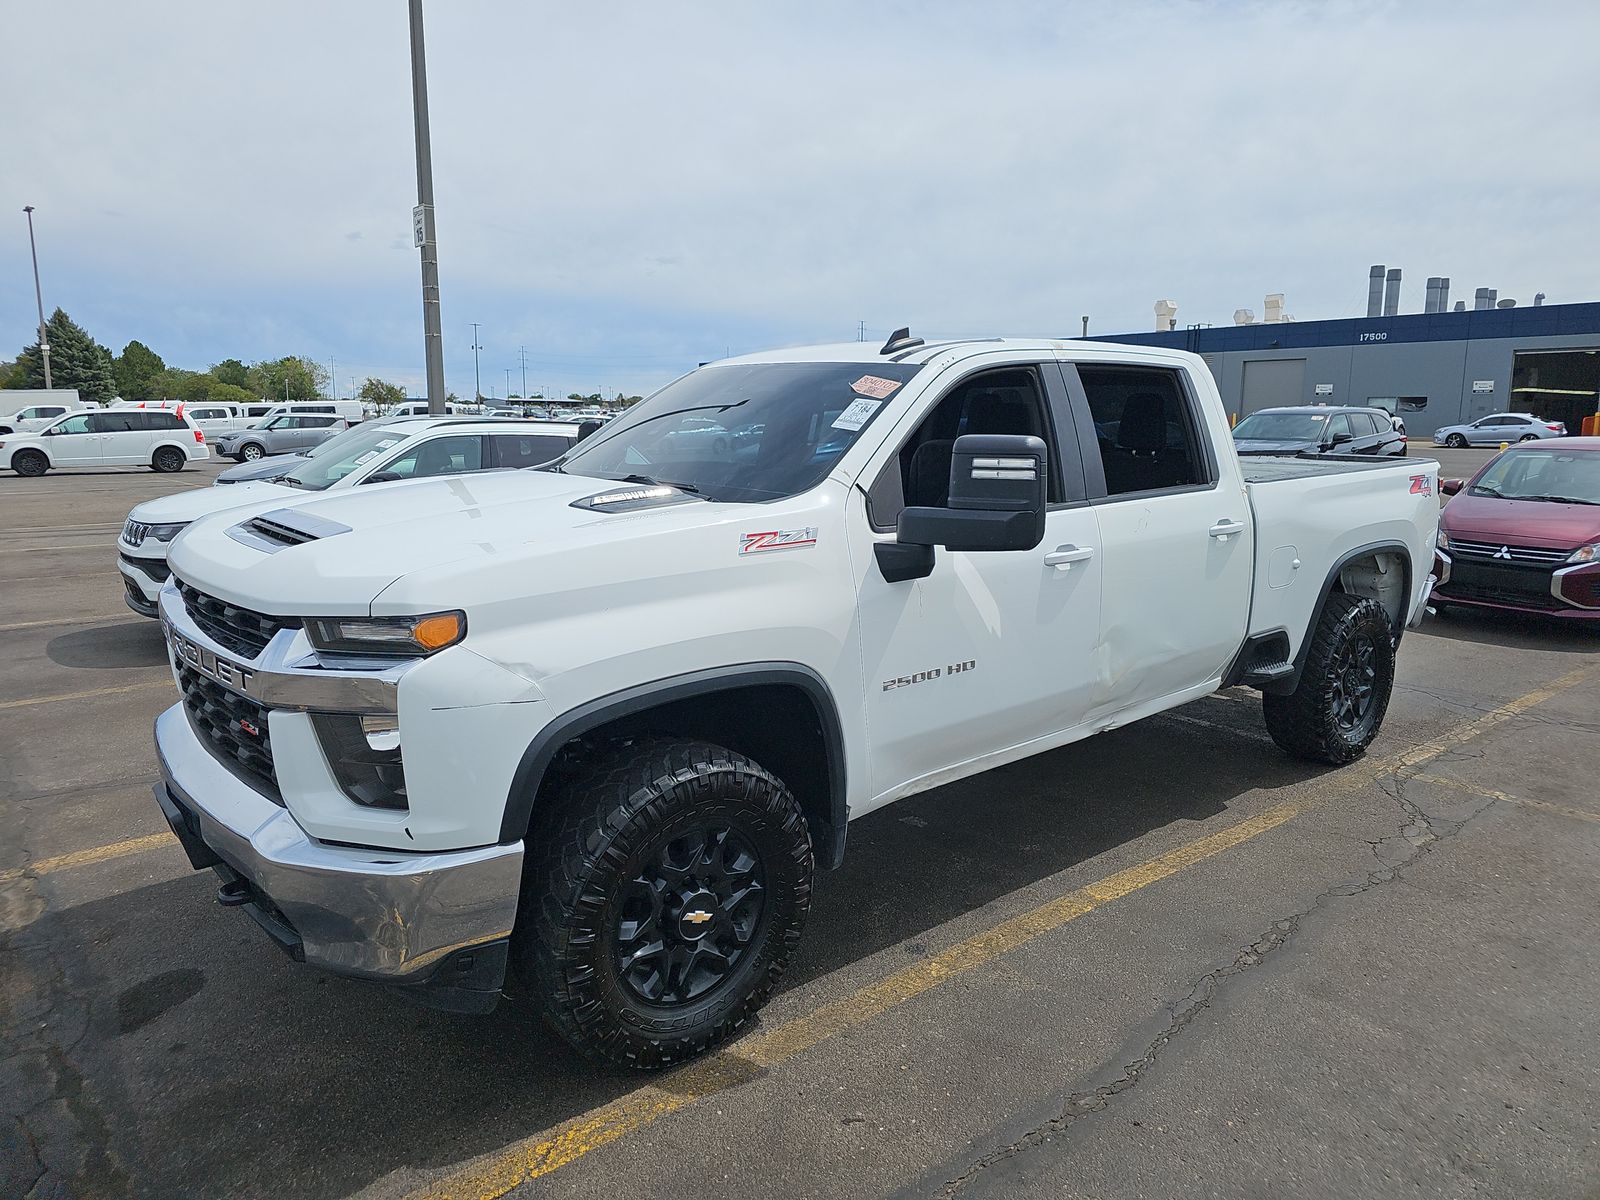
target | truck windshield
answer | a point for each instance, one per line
(751, 432)
(340, 455)
(1571, 476)
(1282, 427)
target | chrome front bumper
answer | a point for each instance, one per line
(391, 916)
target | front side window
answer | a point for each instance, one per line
(743, 432)
(1338, 426)
(1567, 476)
(341, 454)
(1145, 431)
(78, 424)
(439, 456)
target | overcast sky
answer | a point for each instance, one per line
(627, 189)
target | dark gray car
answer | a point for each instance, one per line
(283, 434)
(1313, 429)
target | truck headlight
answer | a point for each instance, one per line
(388, 637)
(1586, 554)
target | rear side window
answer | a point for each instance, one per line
(162, 420)
(115, 422)
(1147, 433)
(528, 449)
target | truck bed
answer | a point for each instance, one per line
(1270, 469)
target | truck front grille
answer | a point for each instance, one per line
(234, 728)
(241, 630)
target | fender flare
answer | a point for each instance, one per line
(1388, 547)
(541, 752)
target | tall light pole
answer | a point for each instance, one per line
(424, 234)
(477, 378)
(38, 296)
(524, 372)
(508, 383)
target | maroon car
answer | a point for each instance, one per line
(1524, 532)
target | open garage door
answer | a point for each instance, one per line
(1273, 382)
(1558, 385)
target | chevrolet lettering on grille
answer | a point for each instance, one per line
(229, 674)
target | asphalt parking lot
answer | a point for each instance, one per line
(1166, 961)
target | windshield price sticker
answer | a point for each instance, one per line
(875, 386)
(857, 415)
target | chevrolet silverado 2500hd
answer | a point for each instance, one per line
(600, 722)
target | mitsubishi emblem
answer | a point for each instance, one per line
(1503, 552)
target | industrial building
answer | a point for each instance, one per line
(1435, 368)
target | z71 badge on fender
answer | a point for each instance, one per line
(777, 539)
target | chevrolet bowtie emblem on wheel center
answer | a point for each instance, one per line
(698, 917)
(1503, 552)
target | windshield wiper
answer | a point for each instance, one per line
(1561, 499)
(1483, 489)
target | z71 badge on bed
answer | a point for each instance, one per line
(777, 539)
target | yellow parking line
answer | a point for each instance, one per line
(1473, 789)
(166, 681)
(84, 858)
(555, 1148)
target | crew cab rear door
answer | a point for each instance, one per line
(1175, 528)
(991, 650)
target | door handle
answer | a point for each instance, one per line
(1224, 529)
(1062, 557)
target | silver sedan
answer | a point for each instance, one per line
(1497, 428)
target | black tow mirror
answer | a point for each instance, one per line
(999, 488)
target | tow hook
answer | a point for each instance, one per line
(233, 893)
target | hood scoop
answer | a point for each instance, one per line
(284, 527)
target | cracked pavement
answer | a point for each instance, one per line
(1396, 991)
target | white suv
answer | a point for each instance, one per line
(415, 448)
(108, 437)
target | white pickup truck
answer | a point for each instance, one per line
(600, 722)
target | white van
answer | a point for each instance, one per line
(162, 440)
(213, 417)
(34, 408)
(419, 408)
(350, 410)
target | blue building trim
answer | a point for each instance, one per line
(1547, 320)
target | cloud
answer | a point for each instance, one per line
(631, 188)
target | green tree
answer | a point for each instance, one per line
(173, 383)
(381, 394)
(289, 378)
(134, 368)
(227, 393)
(231, 371)
(12, 375)
(76, 361)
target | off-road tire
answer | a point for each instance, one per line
(167, 460)
(615, 814)
(251, 451)
(1307, 721)
(30, 463)
(1456, 442)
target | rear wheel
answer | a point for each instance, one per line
(251, 451)
(31, 463)
(1529, 437)
(1338, 706)
(671, 889)
(1456, 442)
(167, 460)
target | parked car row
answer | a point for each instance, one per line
(161, 440)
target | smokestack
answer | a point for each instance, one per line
(1430, 302)
(1538, 299)
(1480, 299)
(1391, 293)
(1375, 290)
(1166, 316)
(1494, 297)
(1444, 293)
(1274, 308)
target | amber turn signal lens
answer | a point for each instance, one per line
(435, 633)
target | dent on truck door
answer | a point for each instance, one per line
(992, 649)
(1176, 547)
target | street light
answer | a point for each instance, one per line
(44, 341)
(477, 379)
(508, 383)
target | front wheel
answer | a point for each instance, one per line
(1456, 442)
(1338, 706)
(673, 881)
(251, 451)
(31, 463)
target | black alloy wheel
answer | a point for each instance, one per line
(29, 463)
(1339, 701)
(168, 459)
(690, 916)
(1354, 677)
